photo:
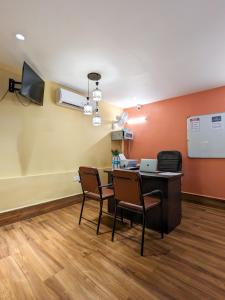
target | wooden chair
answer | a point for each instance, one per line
(128, 195)
(92, 188)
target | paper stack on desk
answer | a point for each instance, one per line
(169, 173)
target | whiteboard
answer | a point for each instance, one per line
(206, 136)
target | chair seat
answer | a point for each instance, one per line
(106, 193)
(149, 203)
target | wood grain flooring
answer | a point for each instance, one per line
(52, 257)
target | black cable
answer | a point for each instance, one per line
(23, 103)
(3, 97)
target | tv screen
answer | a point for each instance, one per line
(32, 85)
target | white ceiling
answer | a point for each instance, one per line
(146, 50)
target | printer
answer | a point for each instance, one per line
(127, 163)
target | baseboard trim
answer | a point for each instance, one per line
(20, 214)
(36, 210)
(213, 202)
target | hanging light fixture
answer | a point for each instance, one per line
(87, 107)
(97, 96)
(97, 93)
(96, 121)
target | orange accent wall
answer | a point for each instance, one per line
(166, 129)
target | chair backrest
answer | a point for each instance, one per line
(169, 161)
(89, 179)
(127, 186)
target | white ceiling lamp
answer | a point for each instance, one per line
(97, 93)
(96, 121)
(20, 36)
(88, 110)
(97, 96)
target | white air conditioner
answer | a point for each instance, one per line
(70, 99)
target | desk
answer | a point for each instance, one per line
(170, 185)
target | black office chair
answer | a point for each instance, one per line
(169, 161)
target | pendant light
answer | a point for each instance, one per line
(97, 96)
(97, 93)
(87, 107)
(96, 121)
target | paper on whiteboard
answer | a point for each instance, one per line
(195, 124)
(217, 122)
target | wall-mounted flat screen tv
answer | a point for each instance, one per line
(32, 86)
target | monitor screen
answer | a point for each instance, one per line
(32, 85)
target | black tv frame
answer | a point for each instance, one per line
(13, 86)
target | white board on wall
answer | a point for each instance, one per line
(206, 136)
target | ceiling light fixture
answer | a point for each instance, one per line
(96, 121)
(97, 96)
(20, 37)
(87, 107)
(97, 93)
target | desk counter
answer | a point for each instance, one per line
(170, 185)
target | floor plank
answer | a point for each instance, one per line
(52, 257)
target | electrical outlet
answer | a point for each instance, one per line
(76, 178)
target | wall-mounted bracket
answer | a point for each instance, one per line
(12, 85)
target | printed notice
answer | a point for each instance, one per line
(195, 124)
(217, 122)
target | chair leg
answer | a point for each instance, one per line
(99, 217)
(143, 235)
(82, 207)
(114, 223)
(131, 222)
(162, 224)
(121, 213)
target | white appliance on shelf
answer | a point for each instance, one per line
(123, 134)
(71, 99)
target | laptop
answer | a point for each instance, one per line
(149, 165)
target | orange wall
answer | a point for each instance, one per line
(165, 129)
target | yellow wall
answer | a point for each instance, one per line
(42, 147)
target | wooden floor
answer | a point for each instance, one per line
(51, 257)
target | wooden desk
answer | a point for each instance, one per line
(170, 185)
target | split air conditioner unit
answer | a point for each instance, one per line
(70, 99)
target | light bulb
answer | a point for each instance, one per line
(97, 94)
(88, 108)
(96, 121)
(20, 37)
